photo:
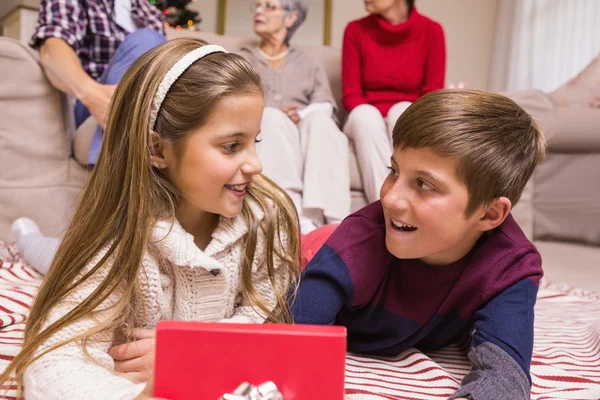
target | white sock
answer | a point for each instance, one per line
(36, 249)
(24, 226)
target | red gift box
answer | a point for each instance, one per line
(197, 360)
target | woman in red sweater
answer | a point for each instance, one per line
(389, 59)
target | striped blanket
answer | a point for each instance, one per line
(566, 356)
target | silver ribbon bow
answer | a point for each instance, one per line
(246, 391)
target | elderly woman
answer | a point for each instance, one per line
(390, 58)
(302, 148)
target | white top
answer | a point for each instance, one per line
(123, 15)
(179, 281)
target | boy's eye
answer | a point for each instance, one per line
(393, 172)
(425, 186)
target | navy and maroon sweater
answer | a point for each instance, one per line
(390, 304)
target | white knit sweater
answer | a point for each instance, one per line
(179, 282)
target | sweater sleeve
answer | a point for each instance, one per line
(502, 346)
(435, 66)
(352, 92)
(66, 372)
(345, 272)
(325, 287)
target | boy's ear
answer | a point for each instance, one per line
(495, 213)
(157, 151)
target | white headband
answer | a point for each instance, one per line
(175, 72)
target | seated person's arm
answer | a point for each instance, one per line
(351, 70)
(502, 346)
(63, 68)
(62, 26)
(435, 66)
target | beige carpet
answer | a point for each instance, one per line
(573, 264)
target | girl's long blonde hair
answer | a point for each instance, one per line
(126, 195)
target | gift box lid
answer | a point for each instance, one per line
(203, 360)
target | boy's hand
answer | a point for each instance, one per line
(136, 359)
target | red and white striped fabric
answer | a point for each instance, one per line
(566, 356)
(565, 365)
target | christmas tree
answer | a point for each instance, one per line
(177, 14)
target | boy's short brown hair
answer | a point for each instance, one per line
(496, 142)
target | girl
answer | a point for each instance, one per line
(175, 223)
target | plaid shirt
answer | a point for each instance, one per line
(89, 27)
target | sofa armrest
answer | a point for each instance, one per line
(577, 130)
(33, 129)
(37, 175)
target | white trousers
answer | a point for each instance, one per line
(372, 137)
(309, 161)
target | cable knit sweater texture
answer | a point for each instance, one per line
(179, 281)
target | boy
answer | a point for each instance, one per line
(440, 256)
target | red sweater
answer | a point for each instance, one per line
(383, 64)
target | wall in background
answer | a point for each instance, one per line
(470, 26)
(208, 12)
(18, 18)
(7, 6)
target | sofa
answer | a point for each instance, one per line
(40, 178)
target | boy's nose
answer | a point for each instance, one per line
(395, 198)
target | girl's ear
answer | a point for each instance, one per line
(157, 151)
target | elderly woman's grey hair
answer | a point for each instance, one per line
(301, 7)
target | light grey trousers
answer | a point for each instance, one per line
(309, 161)
(372, 137)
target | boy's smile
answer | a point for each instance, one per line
(401, 226)
(424, 203)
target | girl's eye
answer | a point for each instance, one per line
(257, 140)
(231, 147)
(425, 186)
(393, 172)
